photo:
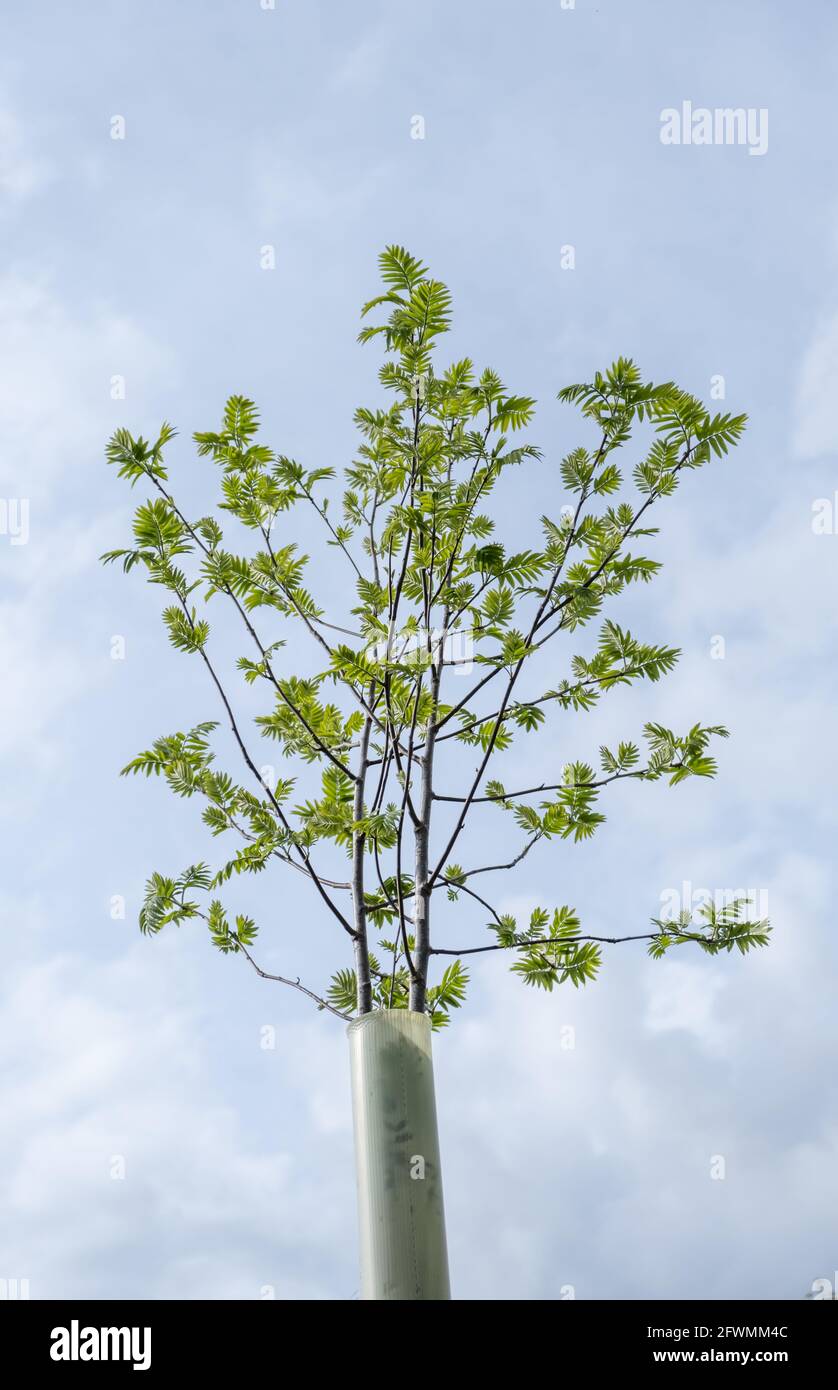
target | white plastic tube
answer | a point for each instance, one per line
(400, 1209)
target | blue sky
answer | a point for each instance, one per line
(586, 1167)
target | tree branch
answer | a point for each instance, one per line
(524, 945)
(293, 984)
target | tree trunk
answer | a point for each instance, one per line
(400, 1207)
(422, 896)
(360, 945)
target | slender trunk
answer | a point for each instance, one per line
(362, 957)
(422, 896)
(421, 955)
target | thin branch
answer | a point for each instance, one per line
(293, 984)
(318, 636)
(283, 855)
(542, 616)
(321, 513)
(373, 547)
(552, 787)
(561, 941)
(491, 868)
(255, 771)
(324, 748)
(627, 531)
(464, 888)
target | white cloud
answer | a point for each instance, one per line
(21, 174)
(816, 425)
(684, 997)
(56, 370)
(591, 1165)
(55, 416)
(107, 1070)
(43, 674)
(364, 61)
(294, 195)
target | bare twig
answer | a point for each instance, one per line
(293, 984)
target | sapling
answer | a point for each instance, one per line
(441, 656)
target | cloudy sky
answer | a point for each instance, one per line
(152, 1145)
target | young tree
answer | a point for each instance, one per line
(402, 751)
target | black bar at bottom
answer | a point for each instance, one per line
(89, 1338)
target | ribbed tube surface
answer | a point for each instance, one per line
(400, 1209)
